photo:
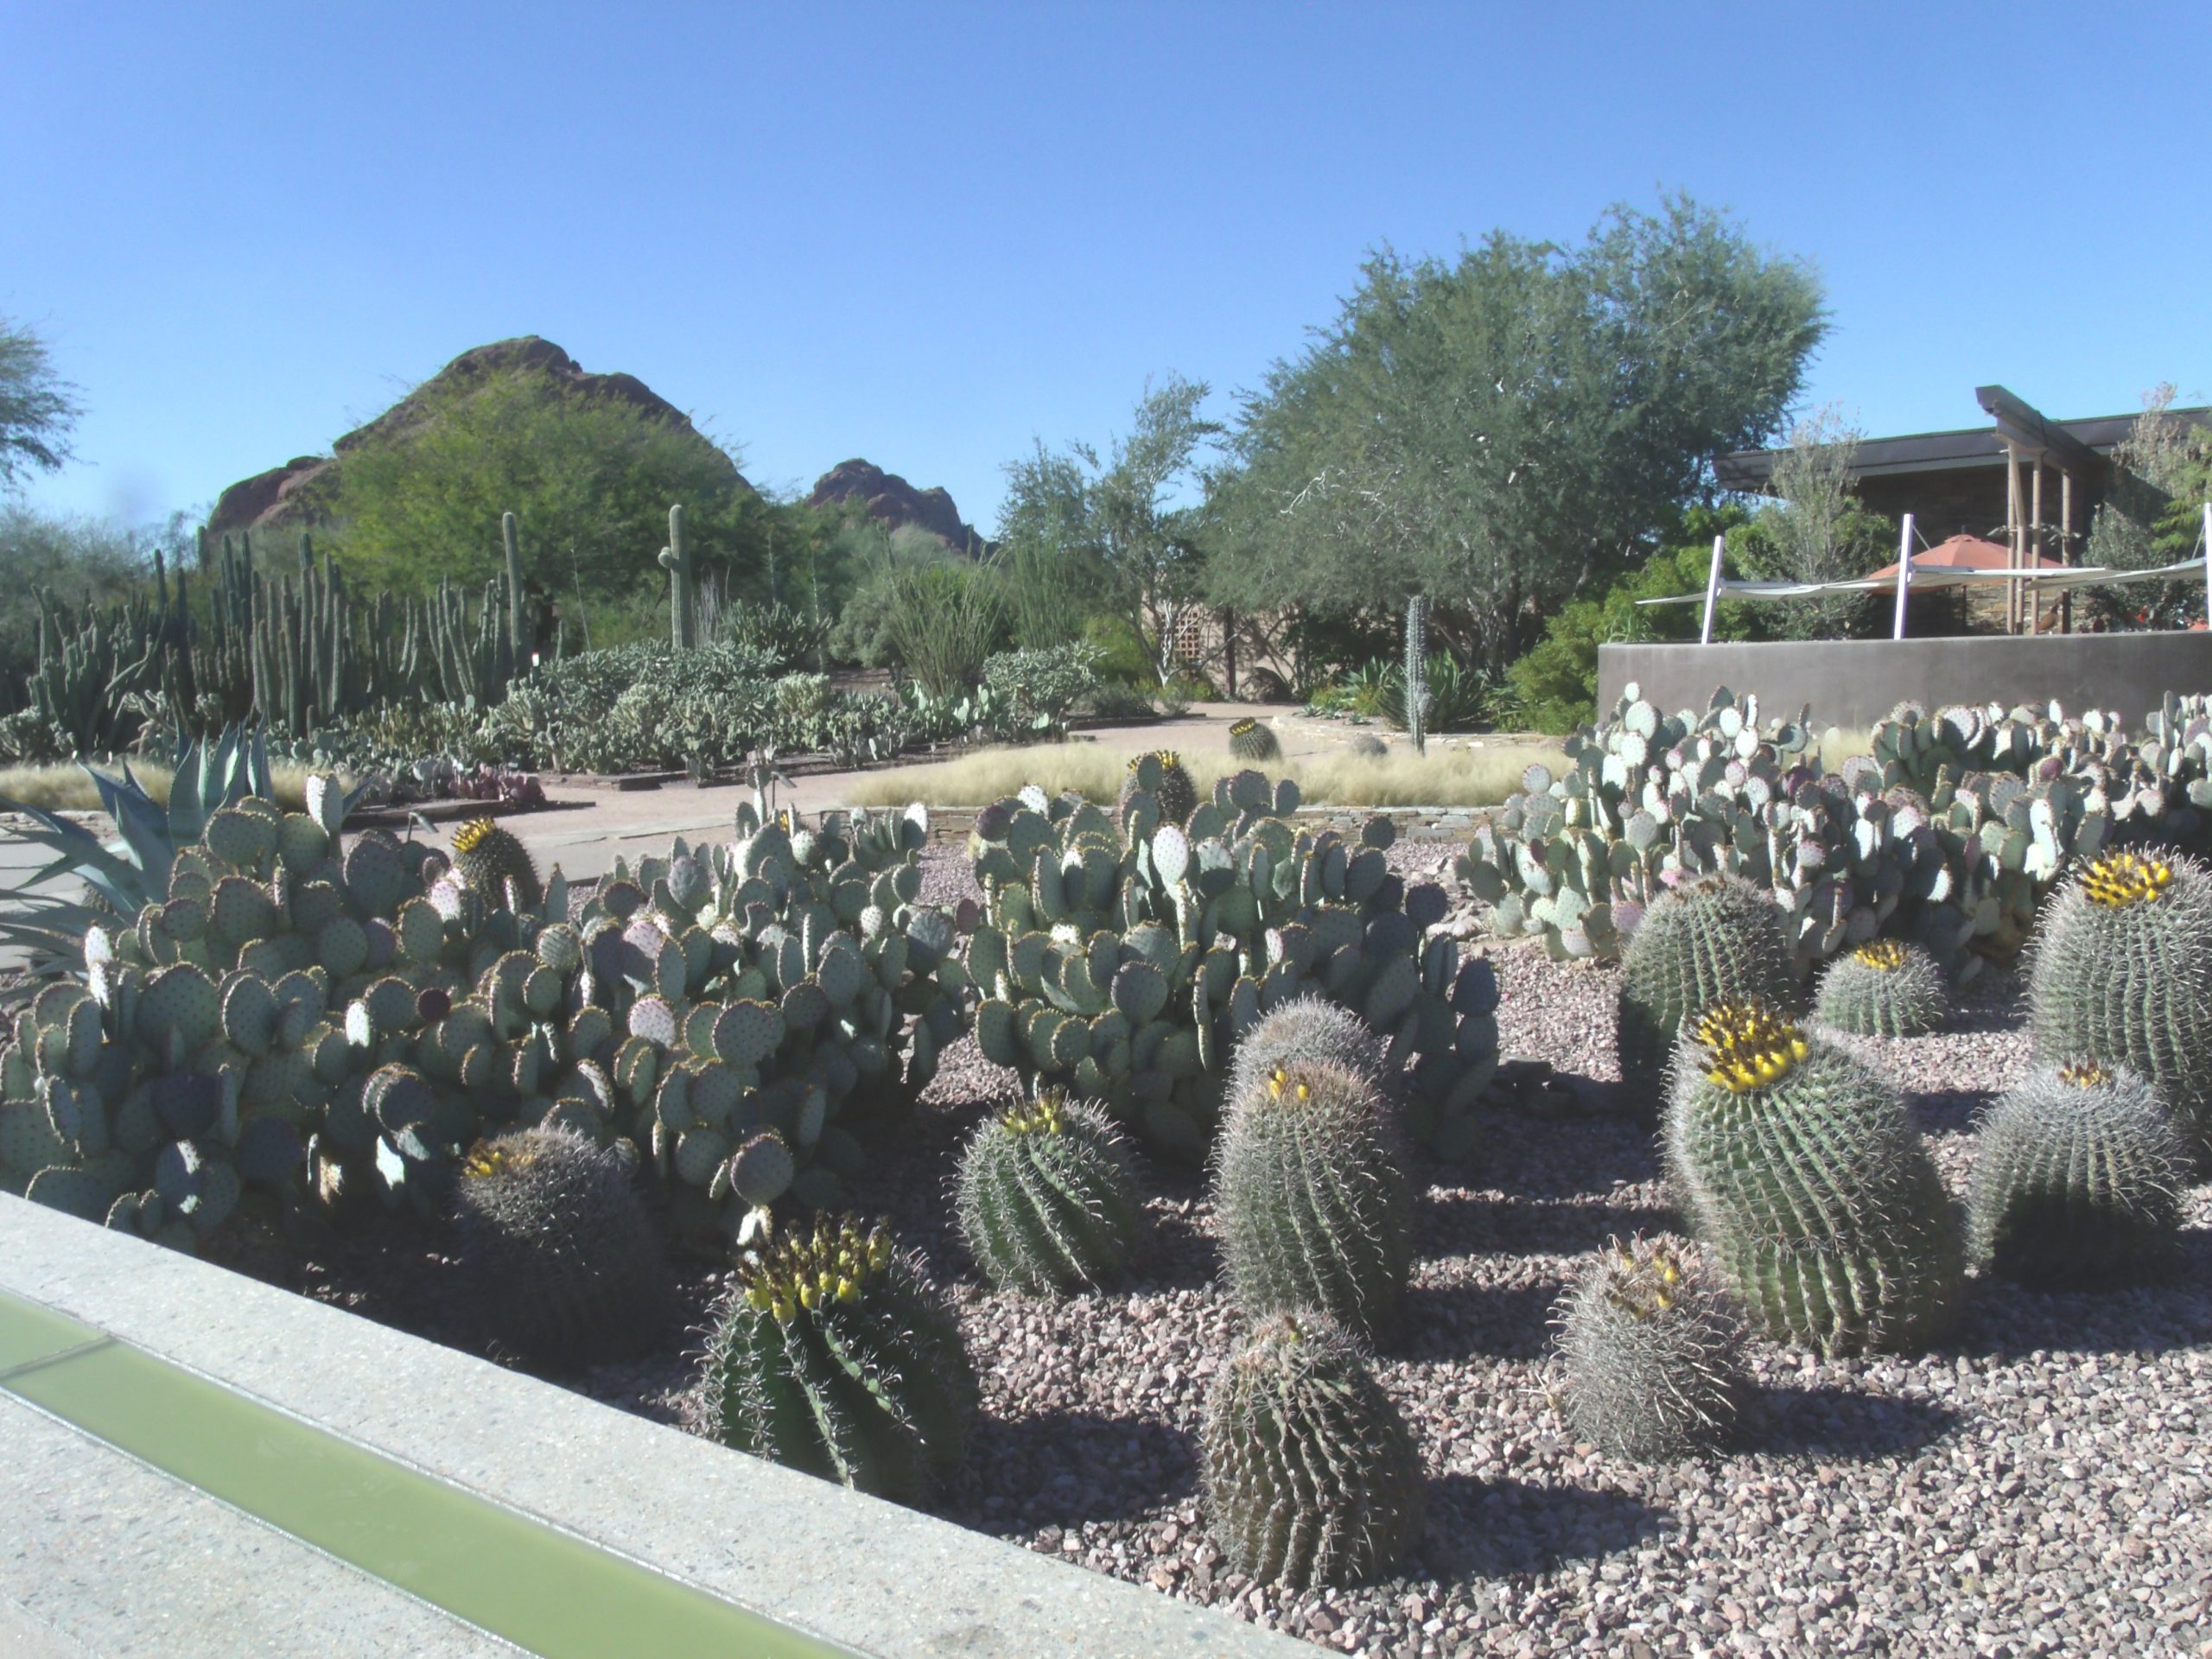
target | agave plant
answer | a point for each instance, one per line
(120, 877)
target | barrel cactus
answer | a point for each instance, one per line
(1800, 1172)
(2078, 1176)
(1044, 1197)
(1884, 988)
(1311, 1475)
(1709, 940)
(834, 1356)
(561, 1262)
(488, 857)
(1315, 1210)
(1653, 1356)
(1162, 775)
(1308, 1028)
(2122, 973)
(1253, 743)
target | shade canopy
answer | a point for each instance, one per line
(1963, 553)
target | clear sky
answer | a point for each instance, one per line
(928, 234)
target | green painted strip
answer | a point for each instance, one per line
(504, 1572)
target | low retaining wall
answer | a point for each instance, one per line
(1855, 682)
(949, 825)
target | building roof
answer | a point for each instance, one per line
(1748, 470)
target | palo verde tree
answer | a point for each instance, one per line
(38, 409)
(1499, 431)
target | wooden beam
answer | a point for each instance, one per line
(2021, 423)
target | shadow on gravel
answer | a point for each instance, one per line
(1843, 1425)
(1529, 1154)
(1463, 1224)
(1489, 1529)
(1061, 1468)
(2008, 1321)
(1451, 1321)
(1948, 1111)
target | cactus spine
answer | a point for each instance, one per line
(1253, 743)
(1045, 1197)
(486, 858)
(832, 1355)
(1798, 1168)
(1417, 671)
(1709, 940)
(1311, 1475)
(1314, 1207)
(1654, 1357)
(675, 559)
(1884, 988)
(2078, 1176)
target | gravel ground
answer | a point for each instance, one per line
(2035, 1487)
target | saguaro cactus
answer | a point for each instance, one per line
(1417, 672)
(675, 559)
(518, 653)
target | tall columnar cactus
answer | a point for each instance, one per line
(675, 559)
(487, 858)
(1311, 1475)
(2078, 1176)
(1653, 1358)
(1884, 988)
(834, 1356)
(1800, 1172)
(1315, 1210)
(1709, 940)
(2122, 973)
(560, 1259)
(1044, 1197)
(1417, 671)
(1253, 743)
(517, 643)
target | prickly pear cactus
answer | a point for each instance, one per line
(1311, 1475)
(1044, 1197)
(1884, 988)
(2078, 1177)
(1123, 958)
(1803, 1176)
(1162, 775)
(833, 1355)
(1653, 1356)
(2122, 973)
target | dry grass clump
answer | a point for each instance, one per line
(1452, 777)
(62, 786)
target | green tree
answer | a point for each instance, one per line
(1816, 530)
(1108, 531)
(38, 409)
(590, 478)
(2153, 514)
(1504, 431)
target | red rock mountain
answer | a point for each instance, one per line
(289, 495)
(891, 501)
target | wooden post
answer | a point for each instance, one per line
(2013, 509)
(1711, 590)
(2035, 551)
(2208, 564)
(1904, 574)
(2066, 545)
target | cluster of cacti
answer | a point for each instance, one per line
(492, 861)
(560, 1262)
(1416, 672)
(2122, 973)
(1161, 777)
(784, 984)
(1311, 1195)
(833, 1355)
(1311, 1476)
(1912, 842)
(2078, 1176)
(1124, 958)
(1709, 940)
(1044, 1197)
(1254, 744)
(1803, 1177)
(1884, 988)
(1653, 1356)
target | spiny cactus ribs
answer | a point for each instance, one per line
(1177, 795)
(1654, 1359)
(486, 858)
(1250, 741)
(2078, 1177)
(1045, 1197)
(832, 1355)
(1710, 940)
(1311, 1475)
(1883, 989)
(1799, 1168)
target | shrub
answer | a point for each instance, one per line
(1040, 685)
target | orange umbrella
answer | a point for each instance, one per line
(1964, 553)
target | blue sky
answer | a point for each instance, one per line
(930, 234)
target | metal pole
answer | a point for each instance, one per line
(1904, 574)
(1712, 591)
(2208, 564)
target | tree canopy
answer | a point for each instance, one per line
(1501, 431)
(38, 409)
